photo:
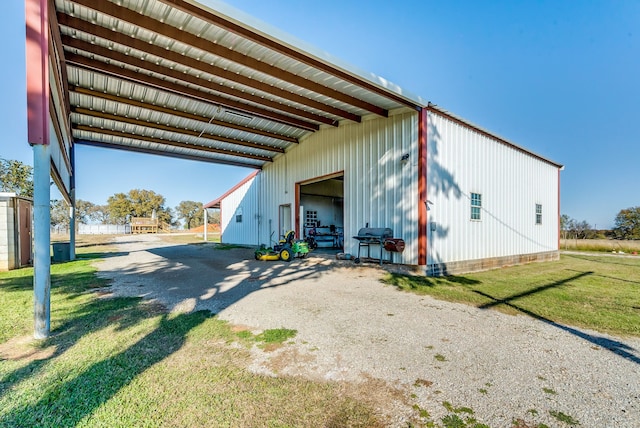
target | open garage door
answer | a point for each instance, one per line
(321, 211)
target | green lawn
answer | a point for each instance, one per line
(124, 362)
(597, 292)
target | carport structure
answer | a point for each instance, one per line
(198, 81)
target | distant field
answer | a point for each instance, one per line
(608, 245)
(181, 237)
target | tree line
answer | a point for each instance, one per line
(17, 177)
(627, 226)
(121, 207)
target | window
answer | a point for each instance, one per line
(538, 213)
(239, 218)
(476, 206)
(311, 218)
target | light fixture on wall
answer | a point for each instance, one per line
(405, 157)
(427, 203)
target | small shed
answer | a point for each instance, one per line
(15, 231)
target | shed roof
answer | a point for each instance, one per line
(201, 81)
(216, 203)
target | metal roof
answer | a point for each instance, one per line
(195, 81)
(216, 203)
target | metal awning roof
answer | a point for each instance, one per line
(195, 81)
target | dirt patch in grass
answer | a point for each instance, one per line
(288, 358)
(24, 349)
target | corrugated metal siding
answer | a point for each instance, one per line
(462, 161)
(379, 188)
(245, 198)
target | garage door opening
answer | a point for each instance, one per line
(321, 211)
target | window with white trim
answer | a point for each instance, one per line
(538, 213)
(476, 206)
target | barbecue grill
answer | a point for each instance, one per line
(368, 236)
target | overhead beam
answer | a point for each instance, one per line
(161, 109)
(170, 143)
(187, 61)
(60, 71)
(177, 75)
(101, 144)
(235, 28)
(184, 131)
(126, 74)
(137, 19)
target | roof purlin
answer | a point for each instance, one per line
(151, 24)
(194, 80)
(170, 143)
(160, 109)
(139, 78)
(142, 46)
(101, 144)
(192, 133)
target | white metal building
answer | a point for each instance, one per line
(490, 202)
(238, 210)
(206, 82)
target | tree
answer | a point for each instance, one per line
(137, 203)
(213, 217)
(565, 224)
(60, 212)
(572, 228)
(582, 229)
(627, 224)
(191, 212)
(100, 214)
(84, 211)
(119, 208)
(16, 177)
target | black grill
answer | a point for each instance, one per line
(368, 236)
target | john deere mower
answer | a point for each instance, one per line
(286, 249)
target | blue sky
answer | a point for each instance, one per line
(561, 78)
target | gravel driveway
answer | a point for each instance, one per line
(353, 328)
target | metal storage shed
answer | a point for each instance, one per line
(15, 231)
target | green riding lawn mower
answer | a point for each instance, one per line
(286, 249)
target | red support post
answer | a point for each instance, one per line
(422, 187)
(37, 56)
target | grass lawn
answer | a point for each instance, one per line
(597, 292)
(125, 362)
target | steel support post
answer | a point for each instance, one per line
(42, 240)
